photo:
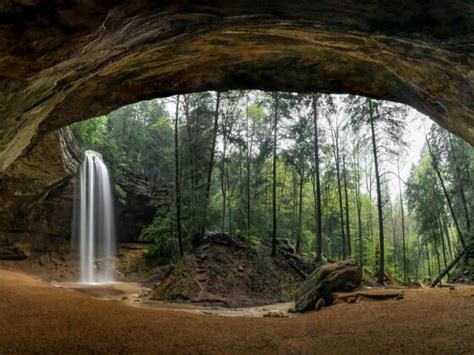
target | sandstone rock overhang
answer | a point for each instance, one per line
(65, 61)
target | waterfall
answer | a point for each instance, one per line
(94, 233)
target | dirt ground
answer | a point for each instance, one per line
(37, 317)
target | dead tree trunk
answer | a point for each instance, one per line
(448, 269)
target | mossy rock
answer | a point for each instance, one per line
(345, 275)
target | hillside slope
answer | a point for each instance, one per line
(222, 271)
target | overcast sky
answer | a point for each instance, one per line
(417, 127)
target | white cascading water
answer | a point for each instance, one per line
(94, 222)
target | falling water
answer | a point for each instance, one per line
(94, 222)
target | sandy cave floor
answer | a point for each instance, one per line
(130, 293)
(38, 317)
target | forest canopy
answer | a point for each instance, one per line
(322, 171)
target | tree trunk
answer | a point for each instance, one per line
(300, 213)
(178, 180)
(348, 223)
(448, 268)
(339, 190)
(368, 183)
(249, 154)
(358, 205)
(274, 173)
(446, 231)
(317, 207)
(437, 255)
(229, 198)
(394, 239)
(192, 163)
(361, 244)
(461, 190)
(223, 175)
(438, 173)
(212, 150)
(282, 189)
(294, 206)
(379, 199)
(428, 258)
(419, 250)
(443, 245)
(405, 272)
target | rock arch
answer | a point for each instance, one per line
(65, 61)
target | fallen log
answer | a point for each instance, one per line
(376, 295)
(345, 275)
(292, 261)
(448, 268)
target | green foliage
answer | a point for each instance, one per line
(138, 141)
(130, 139)
(160, 232)
(120, 193)
(437, 239)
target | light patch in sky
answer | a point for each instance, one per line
(415, 133)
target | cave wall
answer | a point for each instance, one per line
(65, 61)
(139, 207)
(36, 192)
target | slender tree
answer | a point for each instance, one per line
(178, 180)
(381, 271)
(274, 173)
(402, 213)
(358, 200)
(300, 212)
(348, 223)
(248, 156)
(446, 195)
(317, 184)
(335, 133)
(213, 146)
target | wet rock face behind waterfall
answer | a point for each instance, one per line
(64, 61)
(138, 208)
(37, 192)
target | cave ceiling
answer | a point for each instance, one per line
(66, 61)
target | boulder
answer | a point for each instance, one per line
(345, 275)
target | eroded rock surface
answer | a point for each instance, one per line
(65, 61)
(36, 192)
(137, 209)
